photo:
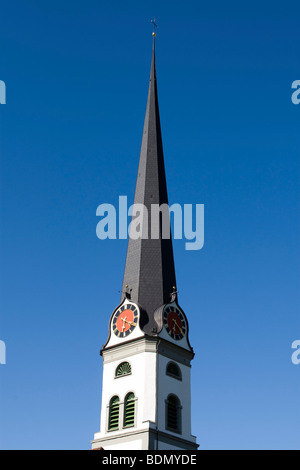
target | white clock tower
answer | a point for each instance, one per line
(146, 396)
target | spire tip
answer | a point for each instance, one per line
(153, 21)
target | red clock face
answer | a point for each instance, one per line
(125, 320)
(174, 322)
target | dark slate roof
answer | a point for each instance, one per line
(149, 271)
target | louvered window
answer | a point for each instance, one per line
(123, 369)
(173, 414)
(114, 412)
(173, 371)
(129, 410)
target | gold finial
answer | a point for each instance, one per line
(153, 21)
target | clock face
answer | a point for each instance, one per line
(125, 320)
(174, 322)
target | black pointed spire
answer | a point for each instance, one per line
(149, 271)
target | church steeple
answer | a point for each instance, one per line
(146, 389)
(149, 270)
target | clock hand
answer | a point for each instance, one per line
(180, 329)
(129, 322)
(123, 320)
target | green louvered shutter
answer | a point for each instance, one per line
(129, 410)
(114, 411)
(123, 369)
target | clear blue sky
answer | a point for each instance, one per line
(77, 78)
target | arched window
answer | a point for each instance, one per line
(123, 369)
(173, 370)
(173, 414)
(114, 413)
(129, 410)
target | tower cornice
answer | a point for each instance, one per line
(153, 344)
